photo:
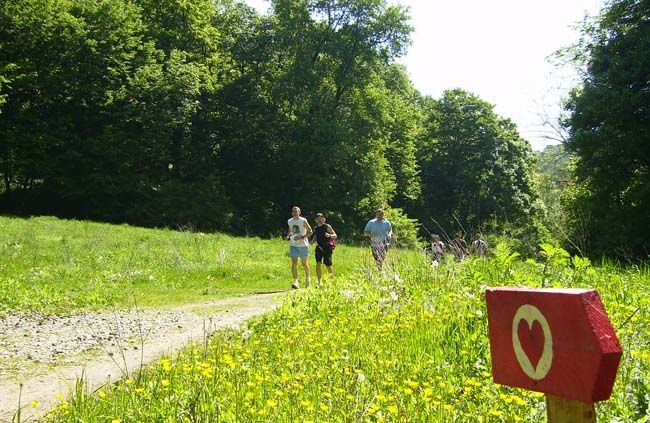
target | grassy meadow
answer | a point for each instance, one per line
(405, 345)
(54, 266)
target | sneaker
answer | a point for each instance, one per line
(295, 285)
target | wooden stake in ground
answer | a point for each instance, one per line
(560, 410)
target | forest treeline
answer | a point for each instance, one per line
(206, 114)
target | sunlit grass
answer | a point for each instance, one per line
(50, 265)
(408, 345)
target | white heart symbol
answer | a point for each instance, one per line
(530, 314)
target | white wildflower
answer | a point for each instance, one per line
(348, 294)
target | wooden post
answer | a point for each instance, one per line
(562, 410)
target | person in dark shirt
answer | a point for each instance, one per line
(323, 234)
(458, 246)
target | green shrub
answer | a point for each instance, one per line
(405, 229)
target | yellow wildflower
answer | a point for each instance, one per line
(272, 403)
(412, 384)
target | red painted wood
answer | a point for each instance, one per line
(585, 350)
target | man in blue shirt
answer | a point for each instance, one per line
(380, 232)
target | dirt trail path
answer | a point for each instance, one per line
(48, 355)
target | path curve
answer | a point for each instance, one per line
(48, 355)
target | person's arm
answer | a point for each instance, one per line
(288, 237)
(330, 231)
(390, 231)
(309, 231)
(366, 230)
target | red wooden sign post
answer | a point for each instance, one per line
(556, 341)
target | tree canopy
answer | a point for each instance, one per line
(476, 168)
(609, 127)
(205, 114)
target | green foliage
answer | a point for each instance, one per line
(182, 26)
(555, 256)
(476, 169)
(401, 119)
(609, 131)
(405, 229)
(319, 135)
(504, 256)
(62, 60)
(204, 114)
(99, 124)
(553, 182)
(3, 81)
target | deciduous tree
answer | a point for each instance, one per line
(609, 127)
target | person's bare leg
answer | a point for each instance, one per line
(294, 270)
(330, 271)
(319, 272)
(305, 266)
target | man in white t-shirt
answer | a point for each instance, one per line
(479, 246)
(298, 235)
(438, 248)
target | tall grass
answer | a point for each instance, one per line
(406, 345)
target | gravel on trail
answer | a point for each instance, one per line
(42, 357)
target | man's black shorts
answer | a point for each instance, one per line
(323, 255)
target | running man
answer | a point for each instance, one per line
(298, 234)
(380, 232)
